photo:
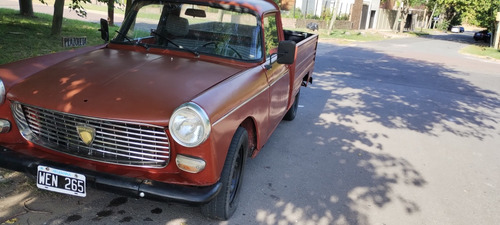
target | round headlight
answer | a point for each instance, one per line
(189, 125)
(2, 92)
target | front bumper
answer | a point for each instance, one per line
(116, 184)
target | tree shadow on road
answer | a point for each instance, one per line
(408, 94)
(357, 103)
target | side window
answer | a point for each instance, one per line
(270, 34)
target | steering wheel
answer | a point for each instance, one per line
(223, 51)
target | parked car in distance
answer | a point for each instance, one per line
(483, 35)
(457, 29)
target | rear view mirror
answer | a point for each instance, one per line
(104, 30)
(286, 52)
(196, 13)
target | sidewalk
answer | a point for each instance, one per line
(92, 15)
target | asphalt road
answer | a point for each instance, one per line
(401, 131)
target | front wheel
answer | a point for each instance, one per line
(223, 206)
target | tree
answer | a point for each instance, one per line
(111, 9)
(57, 18)
(475, 12)
(77, 6)
(26, 8)
(404, 7)
(334, 17)
(482, 13)
(111, 12)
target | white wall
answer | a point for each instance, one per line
(316, 6)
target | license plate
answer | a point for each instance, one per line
(61, 181)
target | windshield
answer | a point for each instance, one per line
(212, 30)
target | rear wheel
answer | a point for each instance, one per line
(292, 112)
(223, 206)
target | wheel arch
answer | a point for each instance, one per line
(249, 125)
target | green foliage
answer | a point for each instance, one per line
(76, 5)
(270, 33)
(299, 15)
(351, 35)
(80, 6)
(312, 17)
(326, 15)
(476, 12)
(291, 14)
(343, 17)
(444, 24)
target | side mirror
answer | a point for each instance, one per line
(286, 52)
(104, 30)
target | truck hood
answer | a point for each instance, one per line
(120, 85)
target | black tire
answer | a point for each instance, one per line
(223, 206)
(292, 112)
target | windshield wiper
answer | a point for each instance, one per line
(165, 38)
(123, 35)
(175, 44)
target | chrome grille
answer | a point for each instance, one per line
(117, 142)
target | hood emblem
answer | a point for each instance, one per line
(86, 134)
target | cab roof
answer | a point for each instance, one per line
(260, 7)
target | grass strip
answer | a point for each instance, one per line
(25, 37)
(481, 51)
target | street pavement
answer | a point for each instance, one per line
(400, 131)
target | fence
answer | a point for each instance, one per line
(386, 19)
(302, 23)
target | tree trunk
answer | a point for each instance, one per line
(402, 25)
(432, 15)
(404, 16)
(425, 16)
(398, 15)
(26, 8)
(111, 12)
(425, 20)
(334, 17)
(58, 17)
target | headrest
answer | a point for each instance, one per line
(177, 26)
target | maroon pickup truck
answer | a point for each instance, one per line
(169, 109)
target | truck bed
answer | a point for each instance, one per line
(305, 57)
